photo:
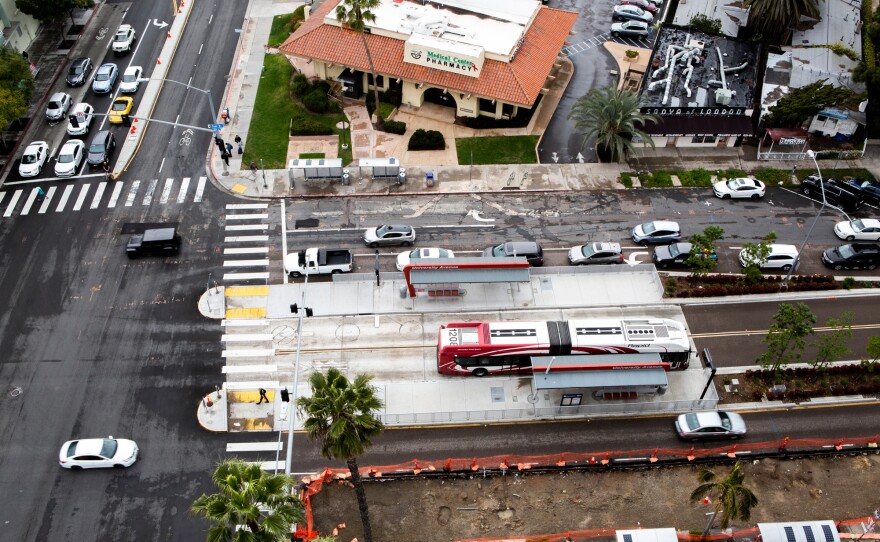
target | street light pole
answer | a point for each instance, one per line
(797, 259)
(302, 312)
(188, 86)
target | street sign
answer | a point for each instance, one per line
(215, 127)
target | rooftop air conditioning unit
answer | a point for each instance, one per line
(723, 96)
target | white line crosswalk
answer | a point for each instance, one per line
(246, 217)
(106, 194)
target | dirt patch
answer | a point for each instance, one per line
(430, 510)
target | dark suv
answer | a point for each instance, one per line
(854, 256)
(525, 249)
(870, 190)
(836, 192)
(101, 148)
(164, 241)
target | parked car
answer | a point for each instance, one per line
(836, 192)
(631, 13)
(781, 257)
(413, 256)
(739, 188)
(710, 425)
(595, 253)
(101, 148)
(318, 261)
(124, 39)
(675, 255)
(83, 114)
(656, 232)
(862, 229)
(636, 29)
(163, 241)
(646, 5)
(33, 159)
(121, 106)
(70, 157)
(105, 78)
(854, 256)
(525, 249)
(131, 79)
(869, 190)
(57, 106)
(390, 235)
(98, 453)
(79, 71)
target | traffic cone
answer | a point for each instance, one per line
(132, 129)
(169, 35)
(706, 500)
(208, 400)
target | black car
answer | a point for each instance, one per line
(79, 71)
(101, 148)
(164, 241)
(675, 255)
(870, 190)
(836, 192)
(854, 256)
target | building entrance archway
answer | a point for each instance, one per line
(437, 96)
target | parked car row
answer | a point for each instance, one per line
(634, 17)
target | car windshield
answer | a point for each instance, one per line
(725, 420)
(75, 70)
(691, 421)
(96, 148)
(120, 106)
(674, 250)
(857, 225)
(108, 448)
(588, 250)
(649, 227)
(29, 159)
(54, 105)
(103, 76)
(65, 158)
(381, 231)
(129, 78)
(846, 251)
(122, 36)
(498, 251)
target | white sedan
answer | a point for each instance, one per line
(131, 79)
(98, 453)
(413, 256)
(69, 158)
(741, 188)
(33, 159)
(863, 229)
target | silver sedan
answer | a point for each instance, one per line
(710, 425)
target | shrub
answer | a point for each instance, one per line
(631, 54)
(316, 101)
(391, 96)
(307, 126)
(299, 85)
(626, 180)
(848, 283)
(705, 24)
(773, 176)
(702, 178)
(394, 127)
(842, 50)
(426, 140)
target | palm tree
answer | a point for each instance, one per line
(774, 20)
(249, 496)
(734, 500)
(352, 14)
(339, 413)
(611, 116)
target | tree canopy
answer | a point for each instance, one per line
(773, 21)
(49, 11)
(16, 86)
(614, 118)
(800, 104)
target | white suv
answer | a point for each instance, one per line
(781, 257)
(82, 111)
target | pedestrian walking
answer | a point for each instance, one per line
(254, 168)
(40, 192)
(793, 170)
(262, 396)
(229, 148)
(240, 146)
(225, 156)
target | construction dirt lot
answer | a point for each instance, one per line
(521, 505)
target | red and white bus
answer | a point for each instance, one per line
(484, 348)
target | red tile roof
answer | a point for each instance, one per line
(518, 82)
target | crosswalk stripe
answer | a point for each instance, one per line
(30, 201)
(129, 201)
(47, 200)
(236, 206)
(246, 337)
(245, 263)
(166, 191)
(245, 227)
(200, 189)
(247, 216)
(246, 239)
(2, 196)
(246, 276)
(82, 197)
(148, 196)
(181, 196)
(12, 203)
(273, 446)
(246, 250)
(98, 193)
(64, 197)
(114, 196)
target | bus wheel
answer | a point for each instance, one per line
(480, 372)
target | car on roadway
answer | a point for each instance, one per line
(105, 78)
(656, 232)
(131, 79)
(739, 188)
(869, 190)
(676, 255)
(101, 148)
(781, 257)
(84, 114)
(853, 256)
(529, 250)
(390, 234)
(98, 453)
(413, 256)
(78, 71)
(695, 426)
(33, 159)
(646, 5)
(631, 13)
(836, 192)
(124, 39)
(595, 253)
(635, 29)
(121, 106)
(69, 158)
(862, 229)
(57, 106)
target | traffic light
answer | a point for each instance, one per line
(73, 121)
(126, 121)
(294, 309)
(285, 395)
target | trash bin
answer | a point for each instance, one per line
(401, 176)
(429, 179)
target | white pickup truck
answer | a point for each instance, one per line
(318, 261)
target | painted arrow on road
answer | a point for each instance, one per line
(156, 22)
(633, 258)
(476, 214)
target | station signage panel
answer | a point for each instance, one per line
(445, 55)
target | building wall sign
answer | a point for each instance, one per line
(450, 57)
(695, 111)
(792, 141)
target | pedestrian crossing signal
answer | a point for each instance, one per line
(285, 395)
(126, 121)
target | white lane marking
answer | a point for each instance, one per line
(247, 216)
(98, 193)
(30, 201)
(254, 447)
(166, 191)
(64, 197)
(129, 201)
(12, 203)
(45, 206)
(243, 227)
(246, 276)
(246, 263)
(246, 250)
(246, 239)
(81, 197)
(117, 188)
(200, 189)
(2, 196)
(234, 206)
(148, 197)
(181, 195)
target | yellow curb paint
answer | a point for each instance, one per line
(255, 424)
(246, 313)
(239, 189)
(242, 291)
(249, 396)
